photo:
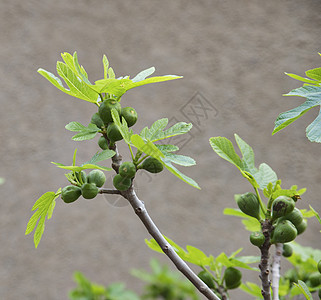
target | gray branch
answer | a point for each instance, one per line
(276, 266)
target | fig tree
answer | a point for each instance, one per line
(284, 232)
(97, 177)
(152, 165)
(282, 206)
(121, 183)
(105, 110)
(257, 238)
(89, 190)
(113, 133)
(233, 278)
(127, 169)
(70, 193)
(249, 204)
(130, 115)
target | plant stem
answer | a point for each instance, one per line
(260, 201)
(142, 213)
(264, 264)
(109, 191)
(276, 266)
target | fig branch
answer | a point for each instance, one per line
(276, 265)
(142, 213)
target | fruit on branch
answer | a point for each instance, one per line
(127, 169)
(113, 133)
(295, 217)
(282, 206)
(105, 110)
(314, 279)
(121, 183)
(302, 226)
(287, 250)
(207, 279)
(257, 238)
(249, 204)
(70, 193)
(96, 119)
(102, 143)
(292, 275)
(152, 165)
(89, 190)
(130, 115)
(97, 177)
(284, 232)
(233, 278)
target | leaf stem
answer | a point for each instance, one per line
(260, 201)
(131, 152)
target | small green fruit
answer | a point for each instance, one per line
(89, 190)
(315, 279)
(319, 266)
(282, 206)
(257, 238)
(249, 204)
(152, 165)
(302, 226)
(233, 278)
(127, 169)
(130, 115)
(102, 143)
(284, 232)
(70, 193)
(113, 133)
(95, 119)
(291, 275)
(207, 279)
(295, 217)
(105, 110)
(287, 250)
(121, 183)
(97, 177)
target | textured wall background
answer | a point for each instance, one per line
(232, 52)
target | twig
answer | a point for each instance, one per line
(142, 213)
(264, 264)
(276, 266)
(109, 191)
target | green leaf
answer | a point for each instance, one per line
(251, 224)
(181, 160)
(247, 155)
(143, 74)
(252, 289)
(122, 127)
(80, 70)
(146, 147)
(315, 213)
(152, 80)
(44, 207)
(154, 130)
(304, 289)
(74, 126)
(314, 74)
(85, 133)
(82, 167)
(297, 77)
(167, 148)
(101, 156)
(264, 176)
(313, 95)
(106, 65)
(225, 149)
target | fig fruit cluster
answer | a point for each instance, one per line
(103, 119)
(85, 185)
(123, 180)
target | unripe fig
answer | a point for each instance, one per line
(319, 266)
(207, 279)
(130, 115)
(282, 206)
(89, 190)
(319, 293)
(152, 165)
(233, 278)
(284, 232)
(70, 193)
(302, 226)
(295, 217)
(81, 176)
(102, 143)
(105, 110)
(113, 133)
(287, 250)
(127, 169)
(257, 238)
(315, 279)
(95, 119)
(121, 183)
(97, 177)
(249, 204)
(291, 275)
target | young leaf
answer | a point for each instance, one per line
(181, 160)
(82, 167)
(106, 65)
(85, 133)
(122, 127)
(297, 77)
(44, 206)
(80, 70)
(251, 224)
(304, 289)
(143, 74)
(101, 156)
(146, 147)
(167, 148)
(252, 289)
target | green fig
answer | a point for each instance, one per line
(291, 275)
(207, 279)
(105, 110)
(287, 250)
(130, 115)
(295, 217)
(152, 165)
(97, 177)
(102, 143)
(302, 226)
(127, 169)
(95, 119)
(315, 279)
(70, 193)
(257, 238)
(113, 133)
(284, 232)
(89, 190)
(233, 278)
(249, 204)
(282, 206)
(121, 183)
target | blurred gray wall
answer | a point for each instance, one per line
(232, 53)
